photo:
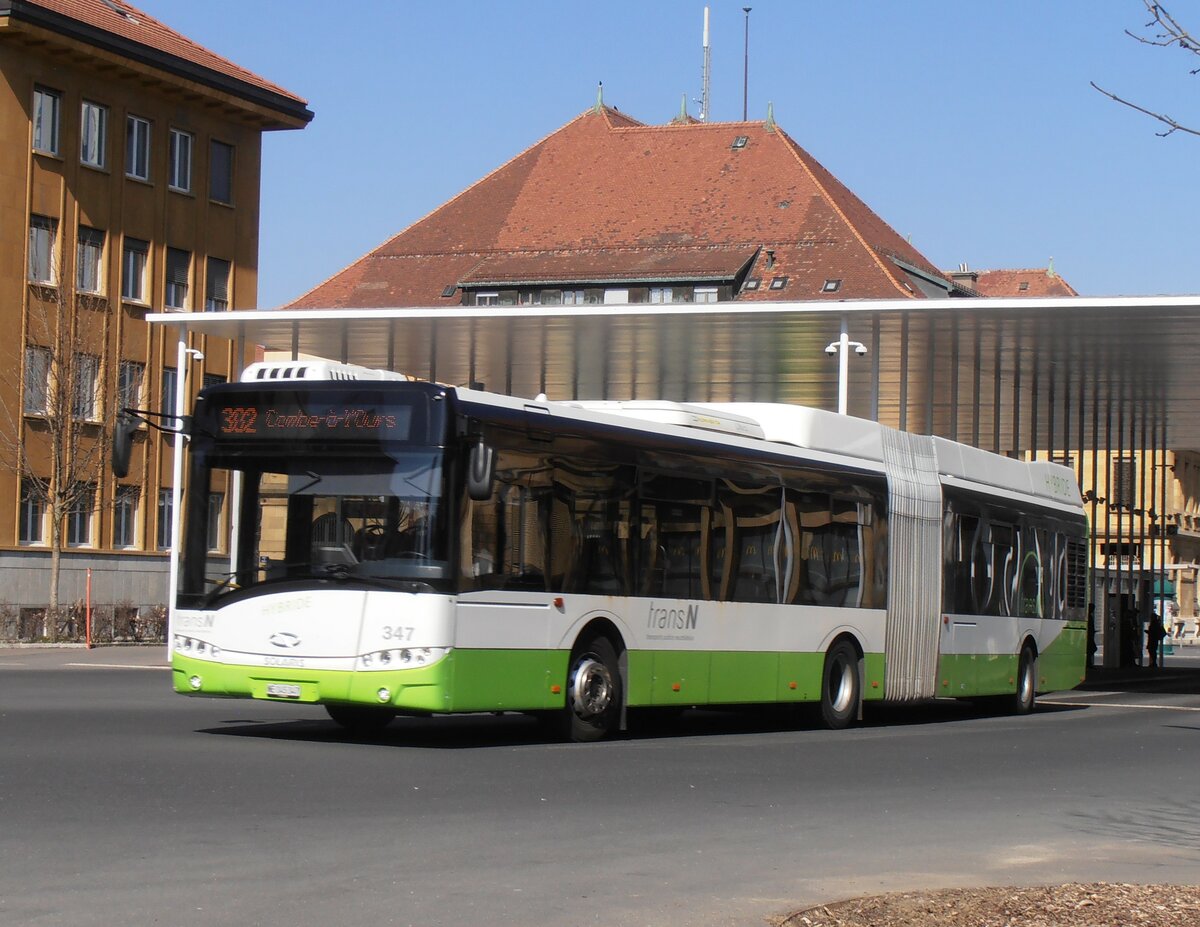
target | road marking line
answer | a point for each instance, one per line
(116, 666)
(1043, 701)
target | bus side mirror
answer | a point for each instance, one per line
(481, 471)
(122, 444)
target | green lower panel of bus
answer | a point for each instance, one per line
(669, 677)
(1060, 666)
(423, 689)
(526, 680)
(1063, 664)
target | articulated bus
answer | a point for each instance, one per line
(407, 548)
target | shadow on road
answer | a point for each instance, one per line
(512, 729)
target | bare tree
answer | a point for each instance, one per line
(51, 401)
(1166, 32)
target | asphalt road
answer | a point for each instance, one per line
(122, 803)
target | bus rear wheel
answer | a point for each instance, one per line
(840, 686)
(594, 696)
(361, 720)
(1026, 694)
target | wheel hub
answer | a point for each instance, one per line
(591, 688)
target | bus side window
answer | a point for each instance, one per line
(508, 534)
(759, 540)
(680, 562)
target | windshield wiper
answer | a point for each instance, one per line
(227, 582)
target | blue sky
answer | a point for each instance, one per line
(969, 126)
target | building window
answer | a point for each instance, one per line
(133, 269)
(93, 134)
(137, 148)
(42, 234)
(572, 297)
(616, 297)
(125, 505)
(778, 283)
(37, 381)
(89, 257)
(79, 517)
(46, 104)
(752, 283)
(180, 167)
(220, 172)
(130, 377)
(216, 286)
(487, 299)
(831, 286)
(167, 408)
(706, 294)
(87, 375)
(33, 513)
(1124, 482)
(179, 265)
(216, 502)
(166, 509)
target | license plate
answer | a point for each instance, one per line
(283, 690)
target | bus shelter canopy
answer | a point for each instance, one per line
(1003, 374)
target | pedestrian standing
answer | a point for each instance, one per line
(1155, 632)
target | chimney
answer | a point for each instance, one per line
(964, 276)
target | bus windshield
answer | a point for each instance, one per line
(375, 520)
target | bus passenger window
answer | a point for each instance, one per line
(758, 540)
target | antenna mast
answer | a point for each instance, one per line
(704, 88)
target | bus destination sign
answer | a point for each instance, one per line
(276, 420)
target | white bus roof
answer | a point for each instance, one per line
(828, 435)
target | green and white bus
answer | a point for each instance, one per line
(381, 546)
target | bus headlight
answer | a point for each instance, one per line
(408, 658)
(384, 695)
(195, 682)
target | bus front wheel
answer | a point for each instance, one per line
(840, 686)
(594, 695)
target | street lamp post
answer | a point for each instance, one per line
(842, 347)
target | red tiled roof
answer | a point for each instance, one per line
(605, 193)
(1040, 281)
(127, 24)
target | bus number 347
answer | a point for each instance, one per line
(397, 633)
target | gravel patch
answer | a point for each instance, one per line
(1099, 904)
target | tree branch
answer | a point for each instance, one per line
(1173, 33)
(1166, 120)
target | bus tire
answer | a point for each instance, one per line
(594, 692)
(361, 720)
(1026, 693)
(840, 686)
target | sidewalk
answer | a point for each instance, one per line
(1180, 674)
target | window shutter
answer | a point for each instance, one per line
(178, 264)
